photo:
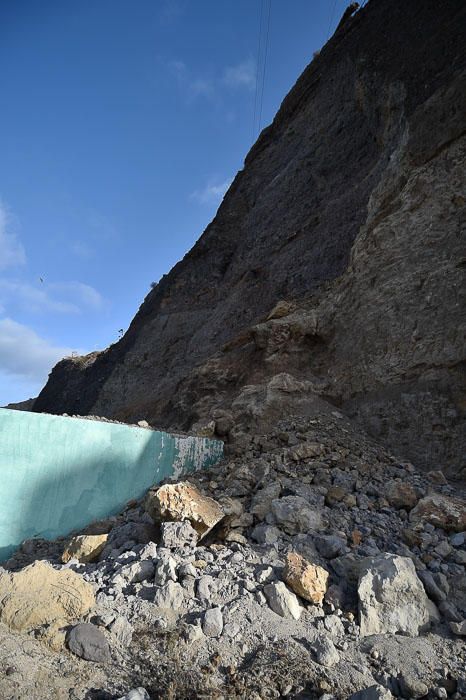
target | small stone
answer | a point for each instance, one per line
(265, 534)
(307, 450)
(200, 563)
(334, 495)
(458, 628)
(262, 500)
(187, 569)
(400, 494)
(443, 549)
(282, 601)
(307, 580)
(437, 477)
(235, 536)
(231, 630)
(373, 692)
(170, 596)
(192, 633)
(88, 642)
(212, 625)
(136, 572)
(136, 694)
(178, 535)
(326, 652)
(122, 630)
(165, 570)
(330, 546)
(205, 588)
(334, 625)
(264, 575)
(458, 539)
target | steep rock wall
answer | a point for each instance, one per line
(352, 200)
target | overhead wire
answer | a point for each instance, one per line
(265, 63)
(257, 70)
(331, 18)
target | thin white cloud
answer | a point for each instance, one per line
(11, 250)
(242, 75)
(237, 77)
(25, 354)
(212, 193)
(63, 298)
(102, 225)
(81, 250)
(192, 86)
(171, 10)
(201, 87)
(83, 294)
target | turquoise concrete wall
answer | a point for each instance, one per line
(58, 474)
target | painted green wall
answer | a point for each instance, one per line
(58, 474)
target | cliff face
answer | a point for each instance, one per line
(350, 206)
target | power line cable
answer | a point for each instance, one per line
(331, 18)
(265, 63)
(257, 70)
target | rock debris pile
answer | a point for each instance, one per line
(312, 565)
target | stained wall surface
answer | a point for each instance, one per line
(58, 474)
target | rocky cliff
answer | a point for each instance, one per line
(350, 214)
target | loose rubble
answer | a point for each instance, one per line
(301, 566)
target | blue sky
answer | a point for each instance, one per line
(123, 121)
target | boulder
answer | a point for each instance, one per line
(392, 599)
(84, 548)
(183, 501)
(293, 514)
(400, 494)
(88, 642)
(446, 512)
(39, 595)
(282, 601)
(458, 628)
(305, 579)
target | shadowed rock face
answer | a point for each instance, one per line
(352, 205)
